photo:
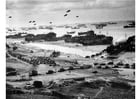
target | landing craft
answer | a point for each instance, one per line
(123, 39)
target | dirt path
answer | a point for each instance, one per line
(101, 89)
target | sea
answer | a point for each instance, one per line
(115, 30)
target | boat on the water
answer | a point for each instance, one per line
(90, 38)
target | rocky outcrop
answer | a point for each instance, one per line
(127, 46)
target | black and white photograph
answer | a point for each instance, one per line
(70, 49)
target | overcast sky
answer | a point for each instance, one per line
(44, 11)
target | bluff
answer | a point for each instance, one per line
(126, 46)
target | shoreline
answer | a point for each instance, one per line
(68, 50)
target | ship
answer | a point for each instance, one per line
(100, 26)
(90, 38)
(131, 25)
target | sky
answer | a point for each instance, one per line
(45, 11)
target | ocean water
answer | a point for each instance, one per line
(115, 30)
